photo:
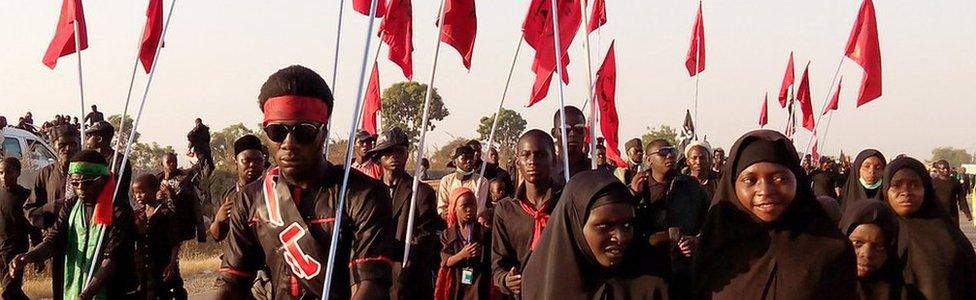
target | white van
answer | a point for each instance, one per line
(33, 151)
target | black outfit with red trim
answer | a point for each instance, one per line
(305, 217)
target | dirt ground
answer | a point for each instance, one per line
(198, 265)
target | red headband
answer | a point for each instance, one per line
(295, 108)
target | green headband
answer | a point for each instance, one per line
(85, 168)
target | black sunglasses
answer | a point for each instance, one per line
(665, 151)
(303, 133)
(77, 183)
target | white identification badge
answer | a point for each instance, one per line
(467, 276)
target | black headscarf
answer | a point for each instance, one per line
(939, 262)
(854, 191)
(885, 282)
(564, 268)
(802, 256)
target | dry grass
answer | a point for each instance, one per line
(198, 263)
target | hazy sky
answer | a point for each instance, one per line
(218, 53)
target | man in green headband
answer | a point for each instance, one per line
(91, 230)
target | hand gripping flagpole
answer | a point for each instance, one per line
(132, 136)
(559, 78)
(335, 73)
(498, 112)
(827, 95)
(589, 85)
(81, 82)
(357, 109)
(418, 168)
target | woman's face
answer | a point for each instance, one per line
(905, 192)
(608, 232)
(766, 189)
(871, 169)
(870, 247)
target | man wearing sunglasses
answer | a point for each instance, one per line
(284, 221)
(49, 192)
(86, 216)
(669, 200)
(575, 135)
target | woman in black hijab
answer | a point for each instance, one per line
(766, 236)
(864, 180)
(873, 231)
(939, 262)
(588, 250)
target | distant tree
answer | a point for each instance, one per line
(122, 136)
(147, 158)
(403, 104)
(510, 127)
(337, 151)
(664, 132)
(955, 157)
(440, 157)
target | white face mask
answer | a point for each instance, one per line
(870, 186)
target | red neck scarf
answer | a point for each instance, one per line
(539, 215)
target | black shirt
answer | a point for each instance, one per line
(13, 224)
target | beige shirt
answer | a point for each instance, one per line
(451, 181)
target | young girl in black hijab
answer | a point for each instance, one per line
(873, 231)
(588, 250)
(766, 236)
(864, 180)
(939, 262)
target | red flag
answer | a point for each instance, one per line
(397, 31)
(835, 99)
(787, 82)
(863, 48)
(598, 17)
(605, 90)
(538, 33)
(460, 28)
(764, 113)
(696, 52)
(151, 34)
(806, 103)
(362, 6)
(63, 42)
(103, 206)
(372, 104)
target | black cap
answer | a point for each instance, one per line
(100, 127)
(247, 142)
(391, 138)
(460, 150)
(363, 135)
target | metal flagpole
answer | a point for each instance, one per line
(830, 87)
(128, 96)
(589, 84)
(827, 128)
(418, 168)
(498, 112)
(559, 78)
(125, 109)
(357, 109)
(335, 73)
(132, 136)
(81, 84)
